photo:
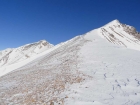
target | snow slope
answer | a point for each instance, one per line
(14, 58)
(115, 74)
(121, 34)
(86, 70)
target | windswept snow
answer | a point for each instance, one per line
(45, 79)
(115, 71)
(86, 70)
(14, 55)
(13, 58)
(121, 34)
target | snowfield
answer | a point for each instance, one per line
(115, 74)
(86, 70)
(13, 58)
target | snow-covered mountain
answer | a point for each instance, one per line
(121, 34)
(86, 70)
(11, 56)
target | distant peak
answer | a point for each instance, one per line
(42, 41)
(114, 22)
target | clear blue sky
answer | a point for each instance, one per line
(26, 21)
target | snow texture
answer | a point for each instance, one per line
(86, 70)
(14, 58)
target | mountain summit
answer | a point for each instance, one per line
(121, 34)
(12, 56)
(96, 68)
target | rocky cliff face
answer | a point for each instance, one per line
(131, 31)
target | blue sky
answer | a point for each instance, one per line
(27, 21)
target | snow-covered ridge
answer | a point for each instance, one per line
(121, 34)
(86, 70)
(13, 55)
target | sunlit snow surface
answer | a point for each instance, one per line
(115, 71)
(121, 34)
(86, 70)
(13, 58)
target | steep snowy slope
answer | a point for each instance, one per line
(115, 74)
(121, 34)
(12, 56)
(86, 70)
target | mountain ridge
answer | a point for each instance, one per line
(114, 32)
(121, 34)
(85, 70)
(25, 50)
(11, 56)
